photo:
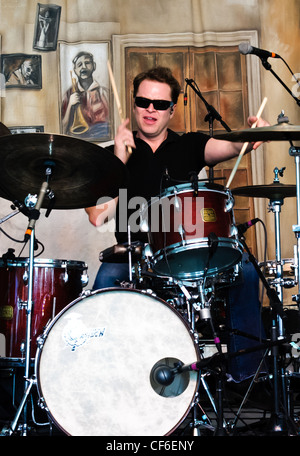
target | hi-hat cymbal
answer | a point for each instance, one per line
(271, 191)
(81, 172)
(280, 132)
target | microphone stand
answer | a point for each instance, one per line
(268, 67)
(210, 117)
(277, 311)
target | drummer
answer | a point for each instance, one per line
(160, 157)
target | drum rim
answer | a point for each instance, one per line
(93, 293)
(187, 187)
(40, 262)
(189, 245)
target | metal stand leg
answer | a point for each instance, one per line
(11, 429)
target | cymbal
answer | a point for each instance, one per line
(270, 191)
(280, 132)
(81, 172)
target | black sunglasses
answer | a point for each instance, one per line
(159, 105)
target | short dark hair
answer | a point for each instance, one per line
(160, 74)
(80, 54)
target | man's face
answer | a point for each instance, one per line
(27, 69)
(152, 123)
(84, 67)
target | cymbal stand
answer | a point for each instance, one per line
(275, 207)
(28, 382)
(295, 152)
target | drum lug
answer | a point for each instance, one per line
(229, 203)
(25, 277)
(65, 277)
(144, 226)
(21, 304)
(233, 231)
(42, 404)
(84, 279)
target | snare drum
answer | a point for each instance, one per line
(192, 232)
(55, 284)
(95, 366)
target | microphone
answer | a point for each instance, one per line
(164, 375)
(35, 212)
(243, 227)
(246, 48)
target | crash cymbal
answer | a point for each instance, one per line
(81, 172)
(280, 132)
(270, 191)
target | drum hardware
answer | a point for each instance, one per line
(295, 152)
(279, 416)
(33, 216)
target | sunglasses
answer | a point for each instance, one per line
(159, 105)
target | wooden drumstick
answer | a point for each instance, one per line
(117, 100)
(246, 144)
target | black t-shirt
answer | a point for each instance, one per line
(149, 173)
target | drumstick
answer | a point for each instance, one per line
(113, 84)
(246, 144)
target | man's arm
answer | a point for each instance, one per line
(217, 151)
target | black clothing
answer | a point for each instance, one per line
(150, 173)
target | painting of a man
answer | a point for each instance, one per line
(85, 109)
(22, 70)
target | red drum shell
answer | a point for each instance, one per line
(180, 223)
(55, 284)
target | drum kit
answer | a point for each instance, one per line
(128, 360)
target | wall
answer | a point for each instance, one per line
(67, 233)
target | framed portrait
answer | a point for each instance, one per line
(46, 27)
(20, 130)
(23, 71)
(85, 97)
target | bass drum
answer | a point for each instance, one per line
(96, 365)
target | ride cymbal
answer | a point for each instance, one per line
(270, 191)
(81, 172)
(279, 132)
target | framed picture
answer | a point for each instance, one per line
(23, 71)
(85, 98)
(46, 27)
(33, 129)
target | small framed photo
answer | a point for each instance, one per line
(20, 130)
(85, 98)
(23, 71)
(46, 27)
